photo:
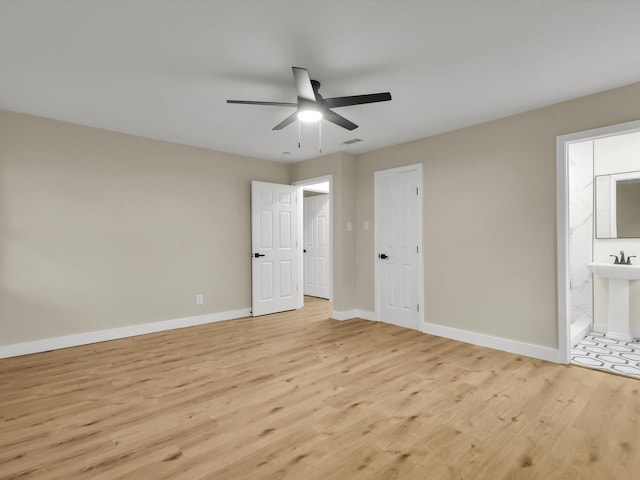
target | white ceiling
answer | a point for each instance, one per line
(165, 69)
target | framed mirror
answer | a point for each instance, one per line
(618, 205)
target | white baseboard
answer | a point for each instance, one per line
(578, 332)
(497, 343)
(354, 313)
(345, 315)
(86, 338)
(365, 315)
(602, 328)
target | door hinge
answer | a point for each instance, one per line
(418, 307)
(417, 251)
(416, 190)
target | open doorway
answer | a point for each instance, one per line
(316, 211)
(598, 327)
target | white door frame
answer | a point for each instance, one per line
(376, 211)
(562, 213)
(304, 183)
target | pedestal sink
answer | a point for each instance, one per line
(618, 312)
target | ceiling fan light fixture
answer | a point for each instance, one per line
(312, 107)
(309, 116)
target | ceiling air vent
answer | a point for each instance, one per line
(352, 141)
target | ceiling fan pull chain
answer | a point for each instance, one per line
(320, 135)
(298, 133)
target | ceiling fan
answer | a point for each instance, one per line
(310, 105)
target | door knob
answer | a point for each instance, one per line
(383, 256)
(258, 255)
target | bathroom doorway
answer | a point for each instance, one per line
(585, 160)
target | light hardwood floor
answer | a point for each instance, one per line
(300, 396)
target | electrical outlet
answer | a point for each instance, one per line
(199, 299)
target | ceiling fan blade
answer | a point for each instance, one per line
(303, 83)
(339, 120)
(357, 99)
(287, 121)
(275, 104)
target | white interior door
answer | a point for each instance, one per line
(317, 261)
(398, 238)
(275, 251)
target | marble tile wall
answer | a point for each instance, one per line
(581, 230)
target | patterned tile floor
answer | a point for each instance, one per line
(597, 351)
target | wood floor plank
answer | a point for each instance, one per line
(299, 396)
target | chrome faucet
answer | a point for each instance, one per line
(622, 260)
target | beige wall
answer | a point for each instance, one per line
(342, 166)
(490, 216)
(102, 230)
